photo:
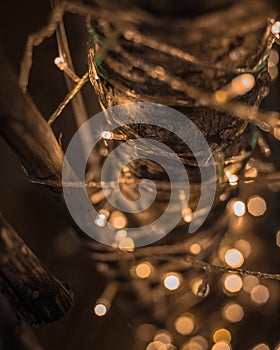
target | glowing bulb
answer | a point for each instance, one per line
(60, 63)
(163, 337)
(196, 343)
(187, 215)
(107, 135)
(195, 249)
(233, 312)
(101, 218)
(221, 345)
(256, 206)
(121, 234)
(234, 258)
(126, 244)
(118, 220)
(261, 346)
(233, 283)
(239, 208)
(100, 310)
(260, 294)
(275, 29)
(244, 246)
(172, 281)
(222, 334)
(184, 325)
(143, 270)
(243, 84)
(232, 178)
(249, 283)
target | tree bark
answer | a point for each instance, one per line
(32, 291)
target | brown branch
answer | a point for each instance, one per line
(26, 131)
(32, 291)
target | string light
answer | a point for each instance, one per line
(234, 258)
(233, 312)
(118, 219)
(239, 208)
(221, 345)
(172, 281)
(256, 206)
(275, 29)
(261, 346)
(143, 270)
(222, 334)
(187, 215)
(184, 325)
(232, 178)
(249, 282)
(107, 135)
(260, 294)
(120, 234)
(101, 218)
(195, 248)
(233, 283)
(242, 84)
(126, 244)
(100, 310)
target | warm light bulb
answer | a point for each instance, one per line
(143, 270)
(256, 206)
(243, 84)
(195, 248)
(239, 208)
(107, 135)
(172, 281)
(222, 334)
(100, 310)
(233, 312)
(276, 28)
(184, 324)
(187, 215)
(234, 258)
(260, 294)
(233, 283)
(221, 345)
(118, 220)
(126, 244)
(249, 283)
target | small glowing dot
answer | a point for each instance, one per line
(101, 218)
(232, 178)
(100, 310)
(256, 206)
(163, 336)
(243, 84)
(222, 334)
(244, 246)
(118, 220)
(107, 135)
(196, 343)
(221, 96)
(260, 294)
(239, 208)
(143, 270)
(276, 28)
(233, 312)
(261, 346)
(249, 283)
(172, 281)
(187, 215)
(234, 258)
(127, 244)
(233, 283)
(121, 234)
(221, 345)
(184, 325)
(195, 249)
(59, 60)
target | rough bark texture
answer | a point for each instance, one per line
(33, 292)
